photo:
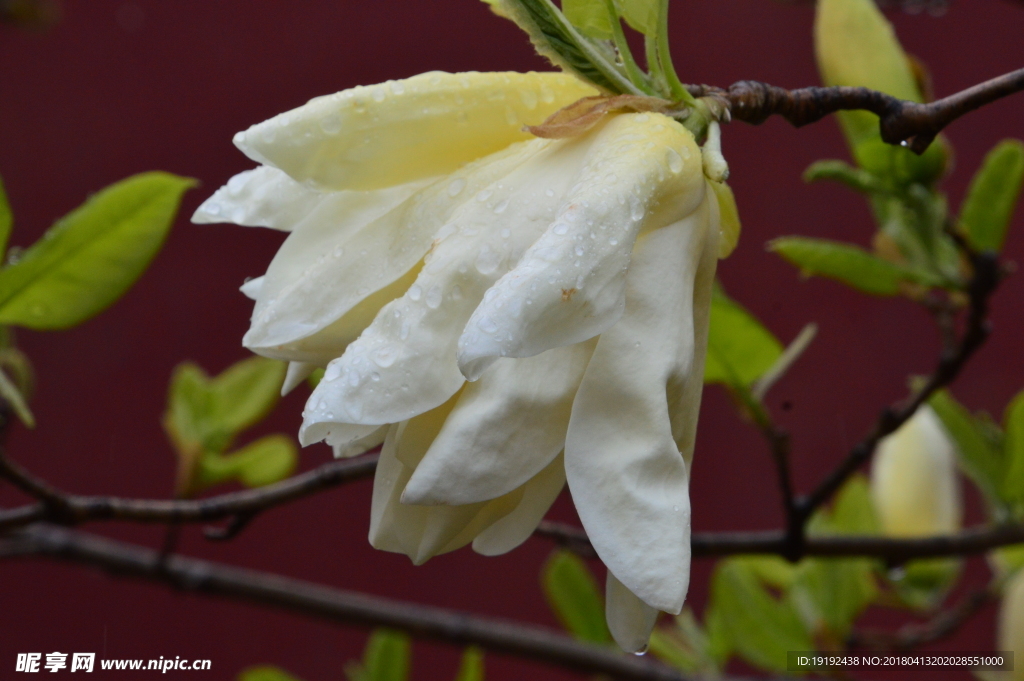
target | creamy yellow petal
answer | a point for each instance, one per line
(643, 171)
(404, 130)
(631, 431)
(630, 620)
(261, 197)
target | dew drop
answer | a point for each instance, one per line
(613, 241)
(415, 292)
(338, 251)
(456, 186)
(500, 208)
(433, 298)
(375, 377)
(378, 94)
(510, 116)
(579, 250)
(383, 357)
(403, 333)
(549, 192)
(560, 229)
(331, 124)
(397, 87)
(674, 160)
(506, 233)
(213, 208)
(456, 293)
(483, 195)
(487, 261)
(641, 652)
(487, 324)
(529, 98)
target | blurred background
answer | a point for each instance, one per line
(115, 88)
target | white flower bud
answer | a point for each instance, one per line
(914, 483)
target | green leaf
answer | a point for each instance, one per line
(740, 348)
(472, 666)
(685, 646)
(830, 594)
(923, 584)
(856, 46)
(573, 595)
(266, 673)
(263, 462)
(89, 258)
(842, 172)
(10, 393)
(1012, 482)
(189, 406)
(315, 377)
(6, 221)
(845, 263)
(992, 196)
(762, 629)
(983, 463)
(556, 39)
(641, 15)
(591, 17)
(246, 392)
(853, 512)
(386, 657)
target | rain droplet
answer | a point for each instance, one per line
(483, 195)
(642, 651)
(674, 160)
(338, 251)
(487, 261)
(500, 208)
(549, 192)
(415, 292)
(378, 94)
(510, 116)
(434, 297)
(613, 241)
(375, 376)
(487, 324)
(561, 228)
(397, 87)
(213, 208)
(529, 98)
(457, 185)
(384, 357)
(579, 250)
(331, 124)
(506, 233)
(456, 293)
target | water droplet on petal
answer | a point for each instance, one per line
(500, 208)
(487, 324)
(483, 195)
(434, 297)
(560, 229)
(487, 261)
(331, 124)
(456, 293)
(378, 94)
(456, 186)
(384, 357)
(549, 192)
(674, 160)
(397, 87)
(642, 651)
(415, 292)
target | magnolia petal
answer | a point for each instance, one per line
(405, 130)
(404, 362)
(504, 429)
(261, 197)
(422, 532)
(516, 527)
(296, 374)
(575, 274)
(630, 620)
(252, 287)
(350, 245)
(622, 453)
(362, 445)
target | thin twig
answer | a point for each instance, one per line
(900, 121)
(74, 509)
(986, 278)
(775, 542)
(335, 605)
(938, 627)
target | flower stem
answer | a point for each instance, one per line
(633, 70)
(675, 86)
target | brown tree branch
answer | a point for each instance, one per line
(327, 603)
(938, 627)
(900, 121)
(894, 551)
(69, 509)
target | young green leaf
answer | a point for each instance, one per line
(982, 462)
(556, 39)
(686, 646)
(263, 462)
(641, 15)
(266, 673)
(1012, 482)
(923, 584)
(830, 594)
(6, 221)
(93, 255)
(762, 629)
(842, 172)
(846, 263)
(12, 396)
(472, 666)
(853, 512)
(740, 348)
(856, 46)
(992, 196)
(591, 17)
(246, 392)
(386, 657)
(729, 219)
(573, 595)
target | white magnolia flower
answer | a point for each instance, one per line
(505, 313)
(914, 483)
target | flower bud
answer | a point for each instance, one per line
(914, 486)
(1011, 621)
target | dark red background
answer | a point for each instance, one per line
(122, 87)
